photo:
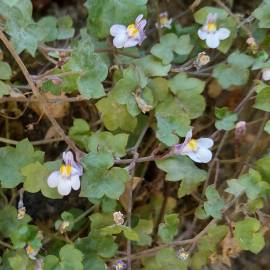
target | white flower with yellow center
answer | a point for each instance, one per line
(68, 176)
(130, 36)
(211, 34)
(164, 21)
(197, 150)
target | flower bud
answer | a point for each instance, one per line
(182, 254)
(118, 218)
(240, 129)
(21, 213)
(201, 60)
(63, 226)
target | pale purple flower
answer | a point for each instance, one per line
(120, 265)
(68, 176)
(130, 36)
(211, 34)
(197, 150)
(31, 252)
(164, 21)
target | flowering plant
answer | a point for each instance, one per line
(134, 134)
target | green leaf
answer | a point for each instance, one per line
(124, 90)
(120, 118)
(165, 259)
(99, 161)
(104, 13)
(36, 176)
(230, 75)
(250, 183)
(235, 72)
(263, 166)
(70, 258)
(262, 13)
(168, 230)
(96, 184)
(5, 71)
(14, 159)
(172, 121)
(66, 84)
(182, 168)
(186, 47)
(169, 44)
(188, 91)
(207, 245)
(91, 66)
(159, 87)
(24, 32)
(152, 67)
(240, 59)
(10, 225)
(267, 127)
(65, 29)
(99, 180)
(247, 233)
(50, 262)
(263, 100)
(200, 16)
(4, 89)
(144, 229)
(106, 141)
(80, 132)
(112, 229)
(225, 119)
(214, 203)
(130, 234)
(17, 260)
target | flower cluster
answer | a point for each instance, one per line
(68, 176)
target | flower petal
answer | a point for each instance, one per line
(187, 138)
(212, 40)
(64, 186)
(117, 29)
(193, 156)
(140, 26)
(53, 179)
(202, 34)
(68, 157)
(131, 42)
(205, 142)
(119, 40)
(138, 19)
(203, 155)
(75, 182)
(223, 33)
(266, 74)
(77, 169)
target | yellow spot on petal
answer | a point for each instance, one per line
(29, 249)
(163, 20)
(193, 145)
(132, 30)
(211, 27)
(65, 170)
